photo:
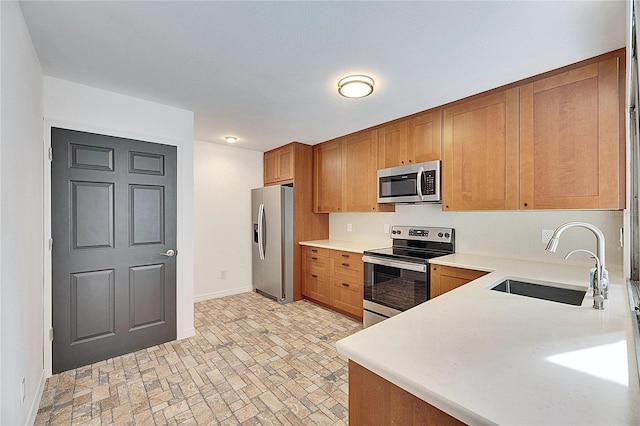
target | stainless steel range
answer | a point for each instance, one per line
(397, 278)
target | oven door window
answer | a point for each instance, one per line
(396, 288)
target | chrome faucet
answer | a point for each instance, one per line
(601, 279)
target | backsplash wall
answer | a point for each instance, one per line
(511, 234)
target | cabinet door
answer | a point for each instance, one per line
(570, 140)
(480, 164)
(359, 172)
(392, 145)
(328, 177)
(347, 296)
(285, 163)
(270, 167)
(316, 287)
(446, 278)
(424, 137)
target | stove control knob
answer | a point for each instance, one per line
(398, 232)
(447, 235)
(440, 234)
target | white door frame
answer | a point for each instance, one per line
(182, 270)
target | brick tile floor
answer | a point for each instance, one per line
(252, 361)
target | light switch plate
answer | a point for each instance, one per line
(349, 227)
(386, 228)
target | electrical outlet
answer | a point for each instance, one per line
(349, 227)
(223, 275)
(386, 228)
(546, 235)
(22, 391)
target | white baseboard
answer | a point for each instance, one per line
(189, 332)
(33, 410)
(217, 294)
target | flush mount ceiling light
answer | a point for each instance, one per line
(231, 139)
(355, 86)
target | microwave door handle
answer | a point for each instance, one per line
(419, 183)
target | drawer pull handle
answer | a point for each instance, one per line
(345, 264)
(346, 256)
(345, 285)
(314, 276)
(314, 251)
(314, 258)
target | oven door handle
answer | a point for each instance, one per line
(395, 263)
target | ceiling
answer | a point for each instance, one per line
(267, 72)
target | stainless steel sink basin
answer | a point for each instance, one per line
(541, 291)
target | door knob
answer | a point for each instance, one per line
(169, 253)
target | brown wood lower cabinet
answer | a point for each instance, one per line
(376, 401)
(446, 278)
(333, 278)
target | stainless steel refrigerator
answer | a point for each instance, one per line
(272, 248)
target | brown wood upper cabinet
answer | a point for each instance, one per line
(415, 140)
(571, 139)
(480, 161)
(345, 175)
(278, 165)
(327, 192)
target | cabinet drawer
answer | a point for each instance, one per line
(353, 285)
(316, 251)
(347, 270)
(348, 256)
(347, 296)
(315, 264)
(316, 286)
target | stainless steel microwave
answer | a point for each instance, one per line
(416, 183)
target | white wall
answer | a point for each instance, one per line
(21, 220)
(224, 177)
(511, 234)
(75, 106)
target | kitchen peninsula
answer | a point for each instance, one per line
(487, 357)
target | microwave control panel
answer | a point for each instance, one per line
(429, 182)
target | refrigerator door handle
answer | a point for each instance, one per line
(261, 231)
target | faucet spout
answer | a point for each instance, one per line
(600, 288)
(552, 246)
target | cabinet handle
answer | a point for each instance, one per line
(345, 264)
(346, 256)
(345, 285)
(525, 204)
(410, 161)
(402, 161)
(314, 251)
(314, 276)
(314, 258)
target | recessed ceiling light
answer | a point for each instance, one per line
(355, 86)
(231, 139)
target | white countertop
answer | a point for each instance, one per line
(353, 246)
(488, 357)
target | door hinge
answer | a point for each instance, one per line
(51, 334)
(50, 244)
(50, 153)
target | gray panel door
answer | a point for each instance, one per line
(113, 212)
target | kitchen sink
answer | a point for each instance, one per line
(541, 291)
